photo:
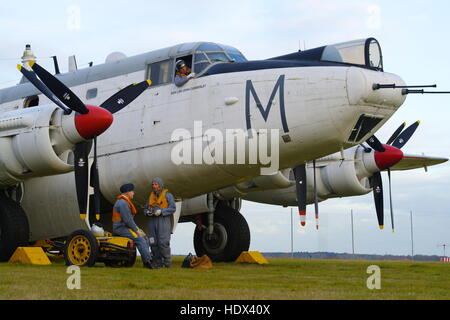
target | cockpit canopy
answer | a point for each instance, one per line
(364, 53)
(211, 53)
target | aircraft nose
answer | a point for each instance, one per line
(360, 88)
(94, 123)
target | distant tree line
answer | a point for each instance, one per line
(348, 256)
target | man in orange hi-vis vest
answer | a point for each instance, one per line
(124, 225)
(160, 207)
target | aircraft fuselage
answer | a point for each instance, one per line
(314, 109)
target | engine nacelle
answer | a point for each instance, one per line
(195, 205)
(344, 178)
(33, 143)
(336, 176)
(267, 182)
(206, 203)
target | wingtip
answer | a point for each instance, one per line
(19, 66)
(381, 227)
(149, 82)
(82, 216)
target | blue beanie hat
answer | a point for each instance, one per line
(127, 188)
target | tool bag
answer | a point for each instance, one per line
(187, 261)
(194, 262)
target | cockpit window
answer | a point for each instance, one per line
(200, 66)
(212, 53)
(237, 57)
(375, 56)
(218, 56)
(365, 52)
(209, 47)
(200, 57)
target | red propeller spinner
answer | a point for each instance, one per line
(388, 158)
(93, 123)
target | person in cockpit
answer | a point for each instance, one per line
(183, 73)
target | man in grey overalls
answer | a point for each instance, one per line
(124, 225)
(159, 208)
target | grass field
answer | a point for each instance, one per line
(286, 279)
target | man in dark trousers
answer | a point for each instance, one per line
(124, 225)
(160, 207)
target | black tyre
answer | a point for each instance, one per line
(230, 237)
(14, 228)
(81, 249)
(131, 259)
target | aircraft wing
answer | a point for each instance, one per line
(411, 161)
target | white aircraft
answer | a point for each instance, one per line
(325, 100)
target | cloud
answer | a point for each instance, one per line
(374, 19)
(266, 226)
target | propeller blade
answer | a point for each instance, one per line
(390, 199)
(81, 153)
(404, 137)
(96, 183)
(366, 149)
(316, 201)
(375, 144)
(31, 76)
(396, 133)
(121, 99)
(377, 185)
(300, 186)
(59, 89)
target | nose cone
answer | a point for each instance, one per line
(94, 123)
(360, 89)
(388, 158)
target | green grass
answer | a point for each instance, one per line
(286, 279)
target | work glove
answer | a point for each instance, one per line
(157, 213)
(191, 75)
(146, 211)
(141, 233)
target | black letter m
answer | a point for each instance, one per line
(265, 112)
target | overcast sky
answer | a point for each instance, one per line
(414, 39)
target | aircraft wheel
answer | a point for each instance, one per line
(14, 228)
(230, 237)
(81, 249)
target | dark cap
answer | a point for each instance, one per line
(127, 188)
(180, 64)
